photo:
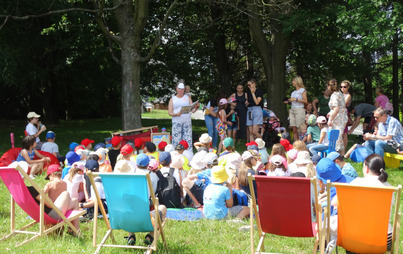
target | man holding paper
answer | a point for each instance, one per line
(180, 106)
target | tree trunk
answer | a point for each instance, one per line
(367, 79)
(395, 64)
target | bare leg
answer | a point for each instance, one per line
(233, 137)
(345, 141)
(256, 133)
(295, 133)
(244, 213)
(36, 168)
(250, 129)
(187, 185)
(347, 155)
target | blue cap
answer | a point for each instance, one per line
(253, 148)
(333, 155)
(165, 157)
(72, 157)
(142, 160)
(92, 165)
(72, 146)
(327, 170)
(50, 135)
(99, 145)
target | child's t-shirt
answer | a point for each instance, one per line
(233, 117)
(264, 155)
(326, 139)
(277, 172)
(214, 199)
(206, 176)
(314, 131)
(50, 147)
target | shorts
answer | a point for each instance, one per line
(153, 213)
(254, 116)
(233, 127)
(198, 192)
(297, 116)
(234, 211)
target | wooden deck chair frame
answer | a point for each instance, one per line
(158, 224)
(320, 234)
(44, 219)
(349, 235)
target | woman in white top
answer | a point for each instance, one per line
(181, 123)
(35, 128)
(298, 100)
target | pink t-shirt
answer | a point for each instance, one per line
(382, 99)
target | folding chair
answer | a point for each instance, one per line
(363, 217)
(21, 195)
(127, 196)
(285, 209)
(332, 135)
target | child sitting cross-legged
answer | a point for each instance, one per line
(278, 166)
(218, 200)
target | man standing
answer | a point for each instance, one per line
(389, 128)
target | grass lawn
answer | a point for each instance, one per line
(203, 236)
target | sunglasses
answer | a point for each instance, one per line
(343, 86)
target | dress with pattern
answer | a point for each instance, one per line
(340, 120)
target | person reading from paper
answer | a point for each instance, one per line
(181, 122)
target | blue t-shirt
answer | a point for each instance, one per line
(204, 175)
(264, 155)
(31, 155)
(214, 199)
(65, 171)
(349, 170)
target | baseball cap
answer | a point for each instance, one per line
(333, 155)
(292, 154)
(92, 165)
(50, 134)
(312, 119)
(72, 146)
(252, 143)
(179, 147)
(253, 148)
(138, 142)
(115, 141)
(162, 145)
(153, 165)
(197, 160)
(181, 85)
(126, 149)
(223, 101)
(278, 160)
(99, 145)
(51, 169)
(32, 115)
(211, 159)
(85, 142)
(247, 155)
(78, 148)
(72, 157)
(150, 146)
(165, 158)
(185, 144)
(286, 144)
(321, 119)
(142, 160)
(232, 99)
(228, 142)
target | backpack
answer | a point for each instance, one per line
(240, 198)
(168, 190)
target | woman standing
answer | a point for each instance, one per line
(35, 128)
(240, 97)
(338, 113)
(254, 102)
(181, 123)
(345, 86)
(298, 100)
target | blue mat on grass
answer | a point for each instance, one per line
(186, 214)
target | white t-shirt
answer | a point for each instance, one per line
(177, 104)
(154, 178)
(100, 189)
(73, 186)
(50, 147)
(165, 170)
(32, 130)
(325, 139)
(297, 94)
(277, 172)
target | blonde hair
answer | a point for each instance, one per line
(243, 171)
(300, 82)
(278, 149)
(73, 171)
(348, 83)
(310, 170)
(300, 146)
(332, 84)
(301, 128)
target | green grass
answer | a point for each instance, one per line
(203, 236)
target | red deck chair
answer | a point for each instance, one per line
(285, 209)
(20, 194)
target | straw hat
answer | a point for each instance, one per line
(260, 143)
(205, 138)
(303, 157)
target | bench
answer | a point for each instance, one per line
(392, 160)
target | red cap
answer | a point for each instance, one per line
(86, 142)
(51, 169)
(126, 149)
(138, 142)
(284, 142)
(252, 143)
(79, 147)
(115, 141)
(162, 145)
(185, 144)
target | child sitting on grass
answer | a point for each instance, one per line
(51, 147)
(28, 153)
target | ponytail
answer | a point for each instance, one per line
(376, 165)
(383, 177)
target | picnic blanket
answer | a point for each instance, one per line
(185, 214)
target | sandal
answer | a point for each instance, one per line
(148, 240)
(131, 240)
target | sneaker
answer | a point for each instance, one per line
(246, 228)
(239, 221)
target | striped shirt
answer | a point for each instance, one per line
(392, 127)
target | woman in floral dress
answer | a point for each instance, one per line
(338, 113)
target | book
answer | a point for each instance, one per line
(188, 109)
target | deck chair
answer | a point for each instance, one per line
(21, 195)
(363, 217)
(332, 135)
(285, 209)
(127, 196)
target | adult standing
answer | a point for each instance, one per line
(240, 97)
(383, 101)
(321, 104)
(338, 113)
(254, 102)
(211, 117)
(298, 100)
(345, 86)
(35, 128)
(389, 128)
(181, 122)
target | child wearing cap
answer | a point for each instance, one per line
(218, 199)
(222, 122)
(113, 154)
(313, 131)
(228, 145)
(104, 164)
(180, 148)
(51, 147)
(278, 166)
(71, 157)
(35, 128)
(261, 145)
(28, 153)
(323, 143)
(346, 168)
(204, 141)
(161, 146)
(126, 154)
(87, 143)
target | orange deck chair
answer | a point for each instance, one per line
(20, 194)
(364, 215)
(285, 209)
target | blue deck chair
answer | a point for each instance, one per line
(127, 196)
(333, 135)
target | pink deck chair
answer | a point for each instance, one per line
(285, 209)
(20, 194)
